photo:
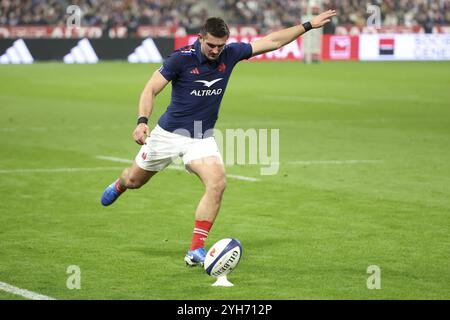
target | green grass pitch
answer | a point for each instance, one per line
(309, 232)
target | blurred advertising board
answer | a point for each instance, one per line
(404, 47)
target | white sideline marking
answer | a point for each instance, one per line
(58, 170)
(233, 176)
(46, 129)
(238, 177)
(314, 99)
(313, 162)
(22, 129)
(114, 159)
(22, 292)
(354, 102)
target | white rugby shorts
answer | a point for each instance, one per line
(162, 147)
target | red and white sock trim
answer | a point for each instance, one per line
(200, 234)
(201, 231)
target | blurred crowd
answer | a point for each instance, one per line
(264, 14)
(393, 12)
(272, 13)
(130, 13)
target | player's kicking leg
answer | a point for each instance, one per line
(211, 172)
(131, 178)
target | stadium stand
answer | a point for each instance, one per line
(98, 12)
(273, 13)
(265, 15)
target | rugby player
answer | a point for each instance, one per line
(199, 74)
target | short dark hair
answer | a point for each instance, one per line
(215, 27)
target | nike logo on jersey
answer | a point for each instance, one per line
(208, 83)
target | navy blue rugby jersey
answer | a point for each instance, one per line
(198, 86)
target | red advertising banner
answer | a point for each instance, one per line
(340, 47)
(94, 32)
(49, 32)
(243, 30)
(356, 30)
(144, 31)
(156, 31)
(290, 52)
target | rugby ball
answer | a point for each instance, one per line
(223, 257)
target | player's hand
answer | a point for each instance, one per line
(140, 133)
(322, 19)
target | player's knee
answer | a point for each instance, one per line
(217, 188)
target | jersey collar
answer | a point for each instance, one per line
(198, 50)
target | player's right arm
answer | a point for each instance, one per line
(154, 86)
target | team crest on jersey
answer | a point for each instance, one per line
(222, 67)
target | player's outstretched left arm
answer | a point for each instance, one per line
(277, 39)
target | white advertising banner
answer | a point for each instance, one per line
(404, 47)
